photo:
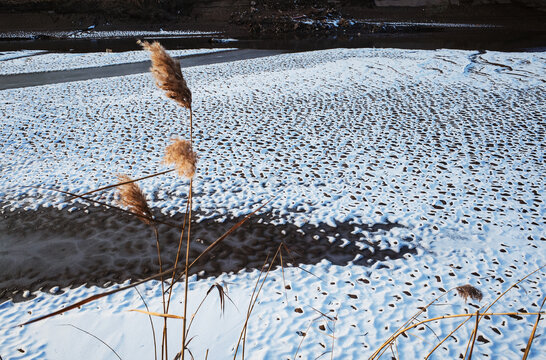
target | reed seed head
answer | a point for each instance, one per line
(469, 291)
(132, 197)
(182, 156)
(167, 74)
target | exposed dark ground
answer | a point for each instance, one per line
(360, 23)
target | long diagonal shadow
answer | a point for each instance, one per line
(50, 247)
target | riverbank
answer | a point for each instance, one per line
(265, 21)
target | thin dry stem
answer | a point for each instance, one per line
(167, 74)
(400, 332)
(530, 342)
(393, 336)
(474, 334)
(187, 266)
(164, 339)
(447, 336)
(92, 298)
(120, 184)
(151, 322)
(498, 298)
(178, 252)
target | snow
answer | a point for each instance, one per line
(92, 34)
(10, 55)
(19, 62)
(447, 143)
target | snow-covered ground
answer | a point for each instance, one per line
(91, 33)
(18, 62)
(448, 143)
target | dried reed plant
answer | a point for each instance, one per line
(469, 291)
(181, 155)
(167, 74)
(169, 78)
(132, 197)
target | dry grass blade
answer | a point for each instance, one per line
(447, 337)
(289, 252)
(167, 74)
(178, 252)
(153, 277)
(221, 294)
(181, 155)
(132, 197)
(227, 233)
(469, 291)
(105, 205)
(151, 322)
(186, 272)
(414, 317)
(151, 313)
(96, 337)
(321, 355)
(400, 332)
(303, 338)
(474, 334)
(323, 314)
(121, 183)
(253, 300)
(499, 297)
(530, 342)
(283, 280)
(333, 336)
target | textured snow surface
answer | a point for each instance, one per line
(16, 63)
(448, 143)
(10, 55)
(90, 33)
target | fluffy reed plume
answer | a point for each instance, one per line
(168, 74)
(469, 291)
(133, 198)
(182, 156)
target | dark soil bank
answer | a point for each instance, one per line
(266, 18)
(51, 247)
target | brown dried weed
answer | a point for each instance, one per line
(132, 197)
(168, 74)
(182, 156)
(469, 291)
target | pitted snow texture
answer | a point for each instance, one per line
(336, 135)
(448, 143)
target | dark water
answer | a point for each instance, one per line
(498, 39)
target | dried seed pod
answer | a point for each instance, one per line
(182, 156)
(168, 74)
(132, 197)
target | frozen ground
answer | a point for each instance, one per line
(18, 62)
(90, 33)
(448, 143)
